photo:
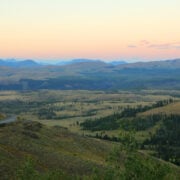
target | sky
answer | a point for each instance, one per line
(96, 29)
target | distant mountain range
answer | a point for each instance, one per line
(74, 61)
(154, 64)
(14, 63)
(120, 64)
(117, 62)
(33, 63)
(90, 75)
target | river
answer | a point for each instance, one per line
(8, 120)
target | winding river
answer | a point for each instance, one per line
(8, 120)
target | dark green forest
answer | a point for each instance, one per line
(164, 142)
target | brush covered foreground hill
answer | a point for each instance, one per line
(30, 150)
(51, 148)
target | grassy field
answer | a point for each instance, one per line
(74, 107)
(169, 109)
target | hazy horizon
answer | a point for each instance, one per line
(54, 61)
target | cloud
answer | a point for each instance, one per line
(132, 46)
(144, 42)
(165, 46)
(159, 46)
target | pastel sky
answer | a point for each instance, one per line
(99, 29)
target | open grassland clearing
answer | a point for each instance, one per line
(173, 108)
(70, 108)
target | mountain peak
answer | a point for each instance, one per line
(14, 63)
